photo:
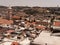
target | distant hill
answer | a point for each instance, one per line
(3, 7)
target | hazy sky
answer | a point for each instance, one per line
(42, 3)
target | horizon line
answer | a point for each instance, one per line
(29, 6)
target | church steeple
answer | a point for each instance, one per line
(10, 12)
(57, 5)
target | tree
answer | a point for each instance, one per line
(31, 11)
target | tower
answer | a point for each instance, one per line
(57, 5)
(9, 12)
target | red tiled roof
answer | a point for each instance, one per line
(33, 23)
(16, 17)
(9, 31)
(57, 23)
(5, 21)
(41, 27)
(15, 43)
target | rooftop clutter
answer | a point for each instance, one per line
(23, 26)
(23, 29)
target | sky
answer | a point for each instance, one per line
(41, 3)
